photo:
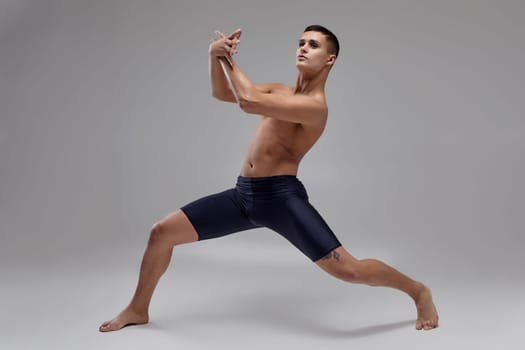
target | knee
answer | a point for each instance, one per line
(350, 273)
(157, 234)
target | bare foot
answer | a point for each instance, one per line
(127, 317)
(427, 316)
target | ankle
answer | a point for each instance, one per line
(137, 309)
(417, 290)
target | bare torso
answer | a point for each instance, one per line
(278, 146)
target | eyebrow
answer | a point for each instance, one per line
(310, 40)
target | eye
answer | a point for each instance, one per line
(313, 44)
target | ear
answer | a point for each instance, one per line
(331, 60)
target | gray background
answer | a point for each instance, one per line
(107, 125)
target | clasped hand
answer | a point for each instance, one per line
(225, 46)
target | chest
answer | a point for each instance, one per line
(278, 130)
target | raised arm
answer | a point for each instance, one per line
(302, 109)
(224, 47)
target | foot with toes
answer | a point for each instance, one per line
(427, 316)
(127, 317)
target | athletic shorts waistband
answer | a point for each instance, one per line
(265, 178)
(277, 184)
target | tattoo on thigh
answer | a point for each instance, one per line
(332, 254)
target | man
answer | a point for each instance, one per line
(268, 192)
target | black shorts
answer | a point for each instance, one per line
(277, 202)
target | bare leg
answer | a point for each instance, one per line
(373, 272)
(173, 230)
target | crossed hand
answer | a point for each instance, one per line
(225, 46)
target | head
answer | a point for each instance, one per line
(318, 49)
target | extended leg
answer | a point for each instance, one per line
(341, 264)
(173, 230)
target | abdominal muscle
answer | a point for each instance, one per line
(262, 166)
(276, 149)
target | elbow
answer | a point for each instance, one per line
(248, 104)
(221, 96)
(244, 104)
(216, 95)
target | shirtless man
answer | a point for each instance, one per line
(267, 192)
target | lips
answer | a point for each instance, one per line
(302, 56)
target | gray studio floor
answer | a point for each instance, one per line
(243, 300)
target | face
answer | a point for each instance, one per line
(312, 53)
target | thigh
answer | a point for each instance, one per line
(300, 223)
(218, 215)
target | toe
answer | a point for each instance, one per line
(106, 326)
(419, 325)
(427, 325)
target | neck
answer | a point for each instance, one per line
(308, 84)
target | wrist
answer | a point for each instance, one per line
(226, 60)
(214, 54)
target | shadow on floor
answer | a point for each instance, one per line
(298, 314)
(365, 331)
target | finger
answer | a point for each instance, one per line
(233, 43)
(238, 35)
(220, 34)
(235, 34)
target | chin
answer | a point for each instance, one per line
(301, 65)
(303, 68)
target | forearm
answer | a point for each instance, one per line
(220, 87)
(241, 85)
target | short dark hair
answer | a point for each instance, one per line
(333, 43)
